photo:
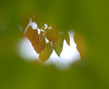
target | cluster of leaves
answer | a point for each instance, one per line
(42, 46)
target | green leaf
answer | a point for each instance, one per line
(46, 52)
(58, 45)
(67, 38)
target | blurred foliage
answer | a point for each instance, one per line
(45, 40)
(89, 18)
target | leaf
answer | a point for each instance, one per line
(46, 52)
(58, 45)
(42, 41)
(33, 36)
(81, 45)
(67, 38)
(52, 35)
(37, 41)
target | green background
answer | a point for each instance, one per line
(87, 17)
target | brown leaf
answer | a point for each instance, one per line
(42, 42)
(37, 41)
(33, 36)
(52, 35)
(81, 45)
